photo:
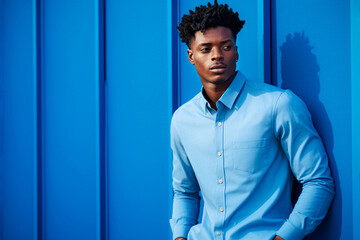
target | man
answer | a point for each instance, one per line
(241, 143)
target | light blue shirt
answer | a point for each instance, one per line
(243, 158)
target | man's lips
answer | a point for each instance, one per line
(218, 68)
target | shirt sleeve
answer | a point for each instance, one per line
(186, 199)
(309, 163)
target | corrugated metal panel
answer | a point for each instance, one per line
(18, 126)
(313, 60)
(138, 103)
(85, 158)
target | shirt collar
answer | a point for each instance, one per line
(229, 96)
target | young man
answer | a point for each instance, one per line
(241, 143)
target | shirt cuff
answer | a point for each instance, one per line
(179, 230)
(290, 232)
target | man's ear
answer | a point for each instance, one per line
(191, 56)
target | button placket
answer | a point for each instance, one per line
(219, 130)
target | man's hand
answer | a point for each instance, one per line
(278, 238)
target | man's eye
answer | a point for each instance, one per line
(228, 47)
(204, 50)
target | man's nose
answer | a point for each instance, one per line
(217, 55)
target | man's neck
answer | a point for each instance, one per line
(213, 92)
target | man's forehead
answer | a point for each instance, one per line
(217, 34)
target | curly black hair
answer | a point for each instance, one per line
(206, 17)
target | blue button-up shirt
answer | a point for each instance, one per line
(243, 158)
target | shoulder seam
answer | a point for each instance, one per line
(273, 112)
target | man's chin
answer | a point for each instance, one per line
(219, 81)
(221, 78)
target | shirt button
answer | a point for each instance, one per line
(221, 209)
(219, 124)
(221, 181)
(218, 233)
(219, 154)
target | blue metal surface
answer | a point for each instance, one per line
(137, 100)
(355, 100)
(85, 158)
(313, 59)
(173, 86)
(267, 41)
(71, 120)
(37, 76)
(18, 156)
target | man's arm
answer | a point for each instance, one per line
(309, 164)
(186, 201)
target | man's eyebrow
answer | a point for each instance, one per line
(226, 41)
(205, 44)
(222, 42)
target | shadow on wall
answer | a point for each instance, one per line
(300, 73)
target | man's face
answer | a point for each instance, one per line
(214, 55)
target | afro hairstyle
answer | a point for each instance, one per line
(206, 17)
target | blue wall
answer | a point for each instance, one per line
(71, 138)
(51, 158)
(355, 104)
(18, 122)
(87, 91)
(138, 110)
(313, 60)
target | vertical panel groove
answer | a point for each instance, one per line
(172, 84)
(176, 93)
(261, 40)
(39, 221)
(273, 43)
(102, 126)
(267, 40)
